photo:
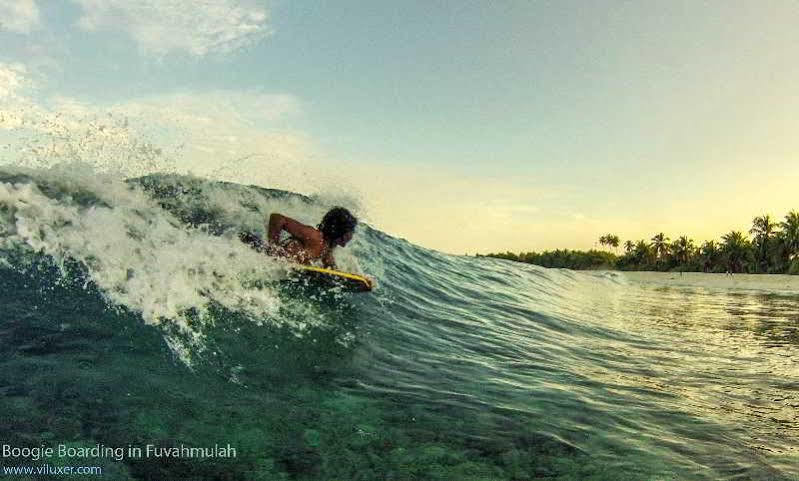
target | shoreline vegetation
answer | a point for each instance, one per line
(772, 249)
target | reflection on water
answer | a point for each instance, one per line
(649, 374)
(728, 350)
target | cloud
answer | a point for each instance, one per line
(13, 76)
(160, 27)
(19, 16)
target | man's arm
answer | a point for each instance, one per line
(300, 231)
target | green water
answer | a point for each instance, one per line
(130, 318)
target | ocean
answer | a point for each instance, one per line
(139, 337)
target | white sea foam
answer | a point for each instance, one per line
(138, 254)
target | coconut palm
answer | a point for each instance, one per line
(736, 251)
(643, 254)
(790, 233)
(763, 230)
(628, 246)
(610, 240)
(709, 255)
(682, 249)
(660, 245)
(762, 226)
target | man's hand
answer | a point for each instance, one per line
(328, 261)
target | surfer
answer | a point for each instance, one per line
(308, 244)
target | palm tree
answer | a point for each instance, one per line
(643, 254)
(709, 255)
(682, 250)
(790, 233)
(763, 230)
(610, 240)
(660, 244)
(736, 250)
(762, 226)
(628, 246)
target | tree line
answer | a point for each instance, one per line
(772, 249)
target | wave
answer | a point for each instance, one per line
(455, 367)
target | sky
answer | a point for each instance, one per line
(467, 127)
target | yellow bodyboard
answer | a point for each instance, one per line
(351, 281)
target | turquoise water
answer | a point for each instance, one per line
(131, 315)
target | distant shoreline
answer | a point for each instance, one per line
(773, 249)
(596, 260)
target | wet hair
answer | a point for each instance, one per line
(336, 224)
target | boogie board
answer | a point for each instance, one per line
(349, 281)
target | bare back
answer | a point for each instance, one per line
(306, 245)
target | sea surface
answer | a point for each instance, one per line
(130, 314)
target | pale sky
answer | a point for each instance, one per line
(461, 126)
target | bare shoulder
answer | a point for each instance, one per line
(303, 232)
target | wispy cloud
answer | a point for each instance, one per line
(13, 77)
(164, 26)
(19, 16)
